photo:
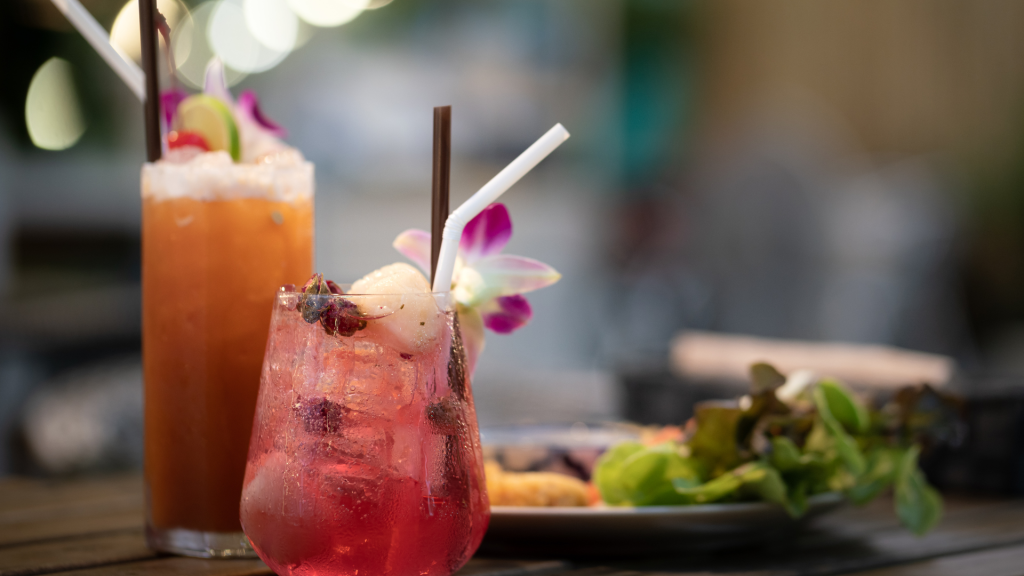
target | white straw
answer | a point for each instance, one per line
(489, 193)
(124, 66)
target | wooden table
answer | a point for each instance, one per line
(93, 527)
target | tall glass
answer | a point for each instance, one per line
(218, 239)
(365, 454)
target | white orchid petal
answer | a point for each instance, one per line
(504, 275)
(469, 288)
(215, 81)
(415, 245)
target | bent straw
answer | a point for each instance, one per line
(124, 66)
(483, 198)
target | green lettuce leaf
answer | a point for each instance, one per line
(608, 472)
(754, 478)
(882, 464)
(918, 505)
(786, 456)
(845, 445)
(845, 407)
(640, 476)
(764, 378)
(715, 442)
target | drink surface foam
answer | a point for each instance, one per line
(213, 176)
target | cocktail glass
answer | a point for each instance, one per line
(365, 454)
(218, 239)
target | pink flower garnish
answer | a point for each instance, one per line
(486, 234)
(487, 285)
(249, 107)
(169, 100)
(506, 314)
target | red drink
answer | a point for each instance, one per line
(365, 456)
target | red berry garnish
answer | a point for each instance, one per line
(182, 138)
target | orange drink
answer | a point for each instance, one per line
(218, 240)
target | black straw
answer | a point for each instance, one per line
(441, 181)
(147, 29)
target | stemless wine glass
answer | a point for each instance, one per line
(365, 454)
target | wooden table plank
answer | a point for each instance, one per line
(29, 493)
(94, 528)
(34, 511)
(71, 553)
(998, 562)
(177, 566)
(30, 531)
(501, 567)
(840, 546)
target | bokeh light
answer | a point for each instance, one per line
(125, 32)
(272, 23)
(328, 13)
(231, 39)
(52, 114)
(192, 33)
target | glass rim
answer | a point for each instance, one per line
(283, 291)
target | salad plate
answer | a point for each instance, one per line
(617, 530)
(613, 530)
(738, 473)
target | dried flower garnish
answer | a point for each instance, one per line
(319, 415)
(338, 316)
(341, 318)
(444, 417)
(313, 300)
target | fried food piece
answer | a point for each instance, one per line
(533, 488)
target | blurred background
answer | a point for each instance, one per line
(850, 171)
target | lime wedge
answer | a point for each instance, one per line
(212, 119)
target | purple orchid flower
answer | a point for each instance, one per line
(249, 106)
(487, 285)
(169, 100)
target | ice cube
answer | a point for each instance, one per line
(349, 481)
(308, 363)
(367, 444)
(414, 322)
(279, 488)
(281, 510)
